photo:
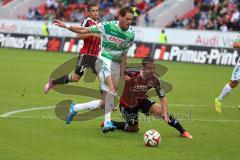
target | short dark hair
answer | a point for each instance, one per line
(90, 5)
(146, 60)
(123, 11)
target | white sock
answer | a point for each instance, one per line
(109, 100)
(107, 117)
(89, 105)
(226, 90)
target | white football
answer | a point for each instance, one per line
(152, 138)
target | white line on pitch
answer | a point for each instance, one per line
(25, 110)
(49, 107)
(32, 117)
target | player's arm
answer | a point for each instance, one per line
(236, 43)
(86, 35)
(76, 29)
(123, 67)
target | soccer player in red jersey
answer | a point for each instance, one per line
(88, 54)
(134, 99)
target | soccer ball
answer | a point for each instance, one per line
(152, 138)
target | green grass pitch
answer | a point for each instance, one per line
(39, 135)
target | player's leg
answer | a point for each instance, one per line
(95, 104)
(74, 77)
(155, 109)
(228, 88)
(109, 103)
(109, 83)
(74, 108)
(131, 120)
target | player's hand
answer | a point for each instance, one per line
(58, 23)
(236, 45)
(126, 78)
(165, 117)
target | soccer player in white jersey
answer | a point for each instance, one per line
(233, 82)
(116, 39)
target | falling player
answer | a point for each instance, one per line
(134, 99)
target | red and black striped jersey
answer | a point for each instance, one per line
(91, 44)
(135, 90)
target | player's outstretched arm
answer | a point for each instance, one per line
(76, 29)
(86, 35)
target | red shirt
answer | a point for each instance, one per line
(91, 44)
(135, 90)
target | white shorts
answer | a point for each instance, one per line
(105, 68)
(236, 72)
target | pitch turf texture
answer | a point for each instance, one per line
(39, 135)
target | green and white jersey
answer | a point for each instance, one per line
(114, 41)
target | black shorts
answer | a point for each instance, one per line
(131, 114)
(84, 62)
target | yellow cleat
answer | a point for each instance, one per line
(218, 105)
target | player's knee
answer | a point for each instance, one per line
(156, 110)
(233, 84)
(75, 78)
(115, 87)
(112, 90)
(102, 104)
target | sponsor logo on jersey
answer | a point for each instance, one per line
(115, 40)
(139, 88)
